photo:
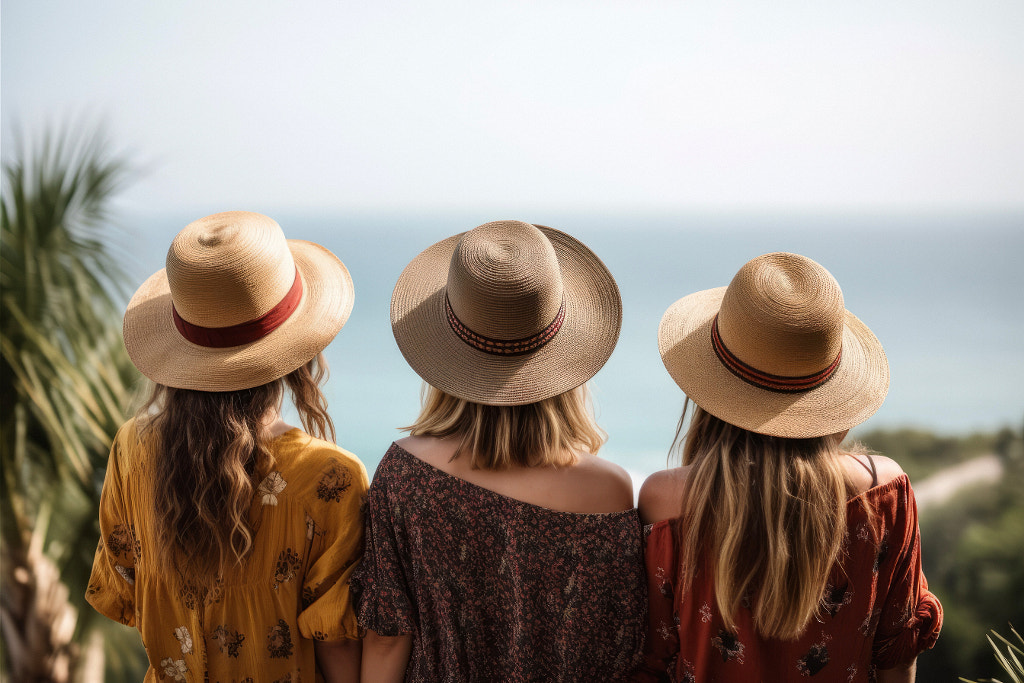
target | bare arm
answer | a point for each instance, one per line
(385, 657)
(904, 673)
(338, 660)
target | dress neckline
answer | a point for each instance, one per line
(873, 492)
(396, 449)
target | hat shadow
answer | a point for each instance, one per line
(156, 308)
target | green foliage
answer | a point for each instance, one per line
(971, 546)
(1012, 662)
(922, 453)
(65, 378)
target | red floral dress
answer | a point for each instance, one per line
(495, 589)
(877, 611)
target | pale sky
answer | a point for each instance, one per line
(579, 105)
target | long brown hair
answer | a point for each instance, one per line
(211, 453)
(547, 432)
(765, 517)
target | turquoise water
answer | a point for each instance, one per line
(944, 294)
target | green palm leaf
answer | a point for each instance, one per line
(64, 379)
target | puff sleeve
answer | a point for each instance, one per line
(379, 584)
(111, 589)
(334, 530)
(911, 616)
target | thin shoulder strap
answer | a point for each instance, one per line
(870, 467)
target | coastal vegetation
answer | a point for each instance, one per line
(972, 544)
(64, 385)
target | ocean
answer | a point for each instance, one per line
(943, 293)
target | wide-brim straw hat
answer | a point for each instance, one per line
(237, 306)
(776, 352)
(508, 313)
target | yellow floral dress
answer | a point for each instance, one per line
(261, 621)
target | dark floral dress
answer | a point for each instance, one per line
(876, 608)
(260, 622)
(495, 589)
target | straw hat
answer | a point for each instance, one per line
(237, 306)
(506, 314)
(776, 352)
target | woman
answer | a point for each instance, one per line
(228, 536)
(498, 547)
(774, 553)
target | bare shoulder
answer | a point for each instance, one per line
(608, 485)
(858, 466)
(888, 469)
(437, 452)
(661, 495)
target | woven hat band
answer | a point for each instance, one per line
(500, 347)
(243, 333)
(765, 380)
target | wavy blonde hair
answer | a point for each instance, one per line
(211, 453)
(765, 517)
(548, 432)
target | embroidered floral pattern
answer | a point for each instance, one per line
(835, 597)
(309, 595)
(334, 482)
(870, 623)
(228, 640)
(190, 595)
(174, 669)
(126, 573)
(705, 613)
(688, 675)
(279, 640)
(122, 542)
(183, 636)
(729, 646)
(288, 563)
(814, 661)
(883, 552)
(271, 487)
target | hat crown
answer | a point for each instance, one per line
(783, 314)
(229, 268)
(505, 281)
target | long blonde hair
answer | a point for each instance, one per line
(765, 517)
(547, 432)
(211, 453)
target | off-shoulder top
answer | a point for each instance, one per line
(877, 610)
(496, 589)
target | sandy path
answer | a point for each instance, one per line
(943, 485)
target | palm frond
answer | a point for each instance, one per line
(64, 374)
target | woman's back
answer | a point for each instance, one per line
(496, 588)
(876, 609)
(497, 547)
(303, 551)
(227, 537)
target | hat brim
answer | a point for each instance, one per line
(593, 317)
(850, 396)
(164, 356)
